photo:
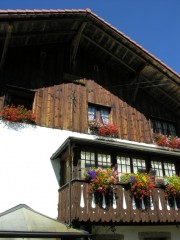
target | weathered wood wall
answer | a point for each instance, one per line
(61, 103)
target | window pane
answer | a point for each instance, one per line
(172, 130)
(169, 169)
(104, 160)
(164, 127)
(138, 165)
(157, 166)
(123, 164)
(91, 113)
(104, 114)
(87, 159)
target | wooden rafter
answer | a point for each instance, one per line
(108, 52)
(164, 93)
(6, 44)
(75, 43)
(138, 80)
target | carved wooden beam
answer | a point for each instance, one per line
(6, 44)
(75, 43)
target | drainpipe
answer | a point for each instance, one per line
(70, 178)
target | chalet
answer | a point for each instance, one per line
(100, 100)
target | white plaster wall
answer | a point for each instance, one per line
(26, 173)
(132, 232)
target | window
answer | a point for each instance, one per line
(138, 165)
(123, 164)
(93, 159)
(166, 128)
(98, 113)
(169, 169)
(128, 165)
(104, 160)
(87, 159)
(157, 166)
(163, 169)
(19, 96)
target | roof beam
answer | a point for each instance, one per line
(144, 59)
(138, 81)
(120, 43)
(108, 52)
(6, 44)
(164, 93)
(75, 43)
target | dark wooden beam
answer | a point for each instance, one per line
(120, 43)
(39, 34)
(75, 43)
(164, 93)
(6, 44)
(109, 53)
(138, 80)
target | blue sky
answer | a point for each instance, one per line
(153, 24)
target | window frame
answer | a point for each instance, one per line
(98, 113)
(115, 155)
(165, 131)
(132, 157)
(163, 161)
(19, 96)
(96, 156)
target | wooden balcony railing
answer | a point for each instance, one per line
(122, 210)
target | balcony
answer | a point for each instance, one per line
(122, 210)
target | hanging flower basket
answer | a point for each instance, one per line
(172, 187)
(102, 183)
(141, 185)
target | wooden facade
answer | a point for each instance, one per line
(62, 102)
(57, 62)
(64, 61)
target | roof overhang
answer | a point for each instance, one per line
(119, 144)
(83, 29)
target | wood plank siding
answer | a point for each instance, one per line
(64, 106)
(160, 213)
(62, 94)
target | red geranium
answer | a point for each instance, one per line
(17, 114)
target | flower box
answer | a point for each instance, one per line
(105, 130)
(169, 142)
(17, 114)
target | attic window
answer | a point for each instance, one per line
(98, 113)
(164, 127)
(19, 96)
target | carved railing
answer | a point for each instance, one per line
(123, 208)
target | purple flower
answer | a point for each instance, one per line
(92, 174)
(132, 179)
